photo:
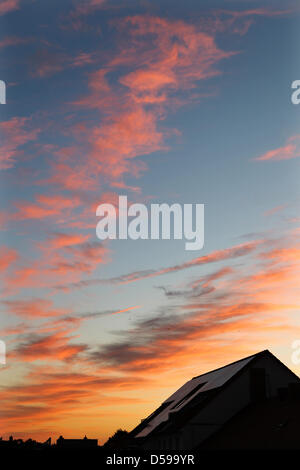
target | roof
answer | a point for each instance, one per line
(199, 387)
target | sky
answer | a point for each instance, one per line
(164, 102)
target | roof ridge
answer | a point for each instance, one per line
(231, 363)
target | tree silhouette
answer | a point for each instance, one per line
(119, 440)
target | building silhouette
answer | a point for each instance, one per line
(84, 443)
(250, 403)
(12, 443)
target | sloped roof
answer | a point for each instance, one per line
(199, 386)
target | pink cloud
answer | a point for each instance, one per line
(8, 5)
(8, 256)
(62, 240)
(275, 210)
(44, 206)
(12, 41)
(46, 62)
(290, 150)
(14, 134)
(83, 59)
(240, 21)
(84, 8)
(175, 59)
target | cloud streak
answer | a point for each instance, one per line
(236, 251)
(290, 150)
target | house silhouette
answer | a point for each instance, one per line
(215, 409)
(84, 443)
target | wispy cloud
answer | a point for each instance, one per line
(7, 6)
(8, 256)
(33, 308)
(290, 150)
(87, 7)
(216, 256)
(218, 306)
(12, 41)
(15, 133)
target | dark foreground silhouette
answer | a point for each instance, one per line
(251, 405)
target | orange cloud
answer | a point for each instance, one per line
(209, 324)
(33, 308)
(61, 257)
(258, 302)
(53, 395)
(55, 346)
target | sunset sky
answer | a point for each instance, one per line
(163, 101)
